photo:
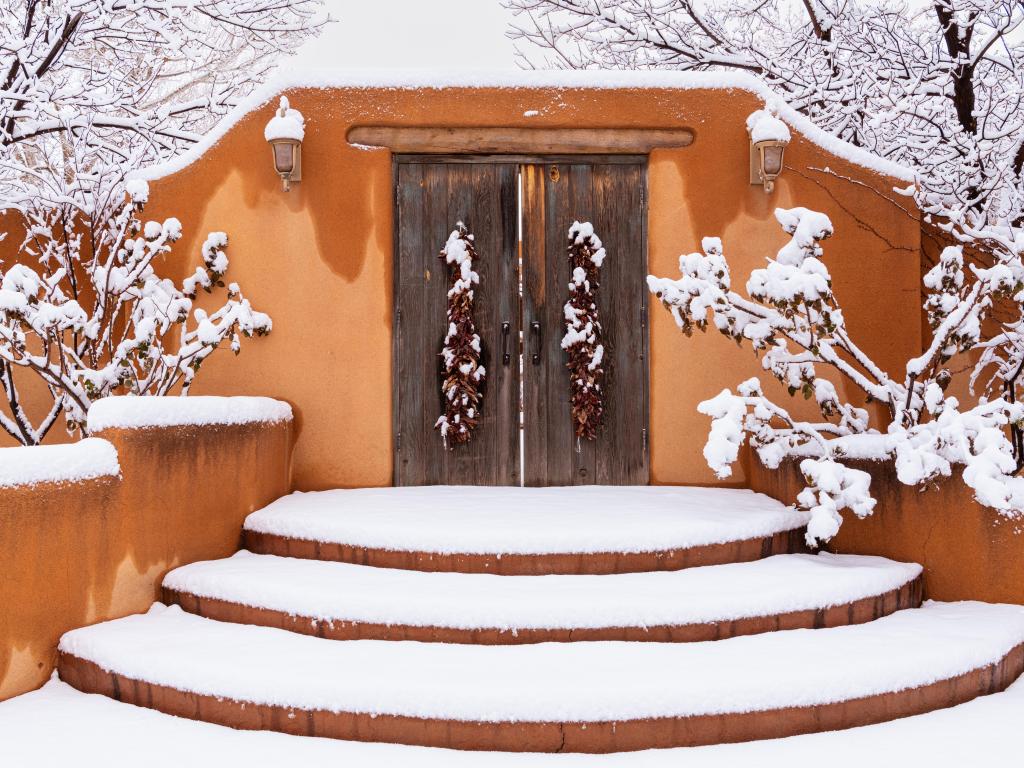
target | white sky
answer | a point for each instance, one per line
(411, 34)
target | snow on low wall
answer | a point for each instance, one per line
(89, 529)
(969, 552)
(84, 460)
(143, 412)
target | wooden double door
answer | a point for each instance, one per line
(519, 211)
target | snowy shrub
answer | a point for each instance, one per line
(90, 320)
(794, 323)
(463, 373)
(583, 340)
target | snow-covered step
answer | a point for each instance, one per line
(528, 531)
(984, 732)
(585, 697)
(350, 602)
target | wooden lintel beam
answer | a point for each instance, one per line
(499, 141)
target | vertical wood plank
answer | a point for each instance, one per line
(409, 393)
(535, 299)
(619, 219)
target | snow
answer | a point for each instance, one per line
(287, 123)
(486, 520)
(137, 190)
(983, 731)
(550, 79)
(58, 726)
(129, 412)
(552, 682)
(764, 126)
(85, 460)
(327, 591)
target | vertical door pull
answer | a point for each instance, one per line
(505, 356)
(535, 330)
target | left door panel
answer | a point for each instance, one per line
(431, 197)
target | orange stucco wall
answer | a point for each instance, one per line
(969, 552)
(319, 258)
(77, 553)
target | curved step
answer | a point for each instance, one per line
(528, 531)
(575, 697)
(340, 601)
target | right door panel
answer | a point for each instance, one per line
(609, 193)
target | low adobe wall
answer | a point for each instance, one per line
(80, 552)
(969, 552)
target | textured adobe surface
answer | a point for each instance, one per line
(78, 553)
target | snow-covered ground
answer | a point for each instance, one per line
(57, 727)
(328, 591)
(486, 520)
(552, 682)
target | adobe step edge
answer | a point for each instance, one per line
(338, 601)
(581, 530)
(473, 697)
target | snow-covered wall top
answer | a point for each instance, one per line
(141, 412)
(85, 460)
(562, 79)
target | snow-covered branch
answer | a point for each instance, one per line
(92, 89)
(90, 322)
(937, 87)
(793, 321)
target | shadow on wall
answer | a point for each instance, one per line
(82, 552)
(345, 196)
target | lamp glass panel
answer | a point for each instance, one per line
(771, 159)
(284, 157)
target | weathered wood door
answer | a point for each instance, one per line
(609, 193)
(431, 197)
(525, 434)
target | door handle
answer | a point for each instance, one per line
(535, 330)
(505, 356)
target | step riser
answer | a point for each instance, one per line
(595, 564)
(593, 737)
(858, 612)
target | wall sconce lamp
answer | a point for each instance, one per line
(285, 132)
(769, 138)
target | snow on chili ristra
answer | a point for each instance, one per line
(327, 591)
(85, 460)
(511, 520)
(553, 682)
(129, 412)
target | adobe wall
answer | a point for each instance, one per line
(318, 259)
(969, 552)
(77, 553)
